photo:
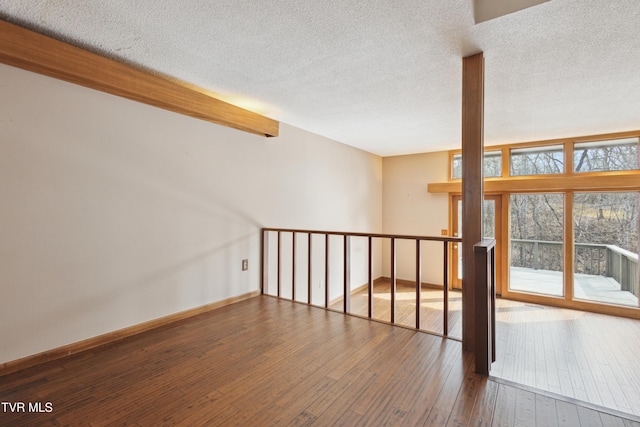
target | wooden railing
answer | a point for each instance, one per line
(591, 258)
(346, 240)
(485, 345)
(622, 265)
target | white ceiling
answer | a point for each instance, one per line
(381, 75)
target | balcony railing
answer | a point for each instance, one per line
(319, 244)
(622, 265)
(590, 258)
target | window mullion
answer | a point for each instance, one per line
(568, 157)
(569, 251)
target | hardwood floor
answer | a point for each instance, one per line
(431, 307)
(590, 357)
(265, 361)
(586, 356)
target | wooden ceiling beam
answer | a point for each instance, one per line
(44, 55)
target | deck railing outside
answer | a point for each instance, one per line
(591, 258)
(346, 238)
(622, 265)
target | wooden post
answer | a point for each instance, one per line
(370, 281)
(279, 250)
(445, 288)
(309, 275)
(472, 185)
(264, 257)
(418, 283)
(392, 291)
(293, 266)
(346, 306)
(326, 270)
(484, 350)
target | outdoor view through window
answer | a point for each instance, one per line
(570, 242)
(605, 227)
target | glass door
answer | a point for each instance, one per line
(492, 215)
(605, 247)
(537, 243)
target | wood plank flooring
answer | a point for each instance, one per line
(590, 357)
(431, 307)
(264, 361)
(586, 356)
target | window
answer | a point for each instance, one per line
(492, 165)
(614, 155)
(536, 237)
(456, 166)
(537, 160)
(573, 229)
(605, 226)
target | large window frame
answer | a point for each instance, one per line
(568, 182)
(577, 180)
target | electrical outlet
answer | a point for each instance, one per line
(245, 264)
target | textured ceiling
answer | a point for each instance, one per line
(381, 75)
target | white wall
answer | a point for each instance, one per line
(408, 208)
(115, 213)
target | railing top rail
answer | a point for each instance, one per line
(544, 242)
(484, 245)
(623, 252)
(550, 242)
(612, 248)
(344, 233)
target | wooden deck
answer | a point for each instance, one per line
(587, 287)
(265, 361)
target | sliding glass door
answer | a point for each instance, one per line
(492, 226)
(536, 240)
(605, 229)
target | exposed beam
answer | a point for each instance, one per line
(472, 185)
(41, 54)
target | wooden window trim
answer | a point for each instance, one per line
(560, 141)
(567, 183)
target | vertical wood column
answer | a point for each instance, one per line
(472, 186)
(484, 351)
